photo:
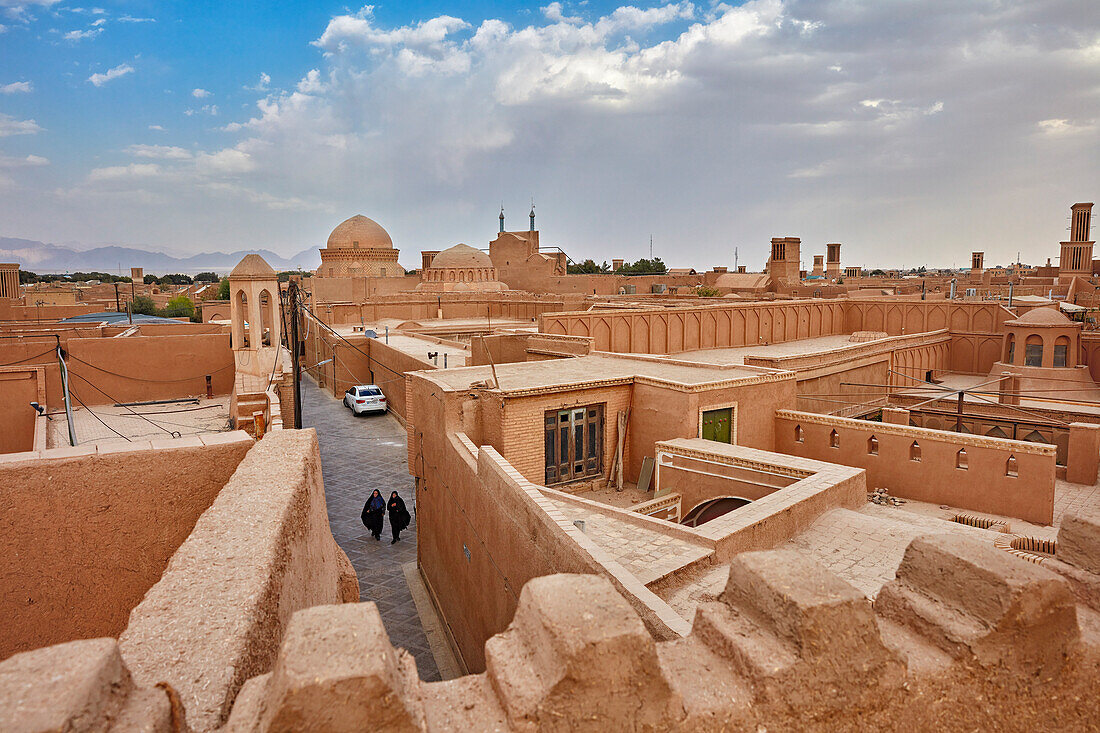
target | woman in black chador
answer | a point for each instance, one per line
(399, 516)
(373, 512)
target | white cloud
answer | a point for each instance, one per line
(11, 126)
(101, 79)
(21, 10)
(711, 125)
(132, 19)
(17, 87)
(1064, 127)
(28, 161)
(82, 35)
(158, 128)
(200, 93)
(209, 109)
(122, 172)
(162, 152)
(228, 161)
(311, 83)
(262, 84)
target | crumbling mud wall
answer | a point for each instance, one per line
(966, 637)
(86, 531)
(262, 551)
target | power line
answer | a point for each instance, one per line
(173, 433)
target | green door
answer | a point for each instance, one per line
(716, 425)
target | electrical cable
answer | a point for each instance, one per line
(97, 417)
(173, 433)
(143, 379)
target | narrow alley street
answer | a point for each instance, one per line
(358, 455)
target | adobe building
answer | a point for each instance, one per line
(460, 268)
(359, 247)
(1043, 349)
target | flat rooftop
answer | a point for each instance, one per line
(111, 424)
(737, 354)
(596, 367)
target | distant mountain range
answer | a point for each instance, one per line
(45, 258)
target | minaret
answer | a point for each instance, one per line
(502, 218)
(532, 215)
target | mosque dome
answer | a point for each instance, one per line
(1042, 317)
(359, 232)
(461, 256)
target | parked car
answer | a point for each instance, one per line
(365, 398)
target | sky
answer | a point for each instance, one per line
(912, 132)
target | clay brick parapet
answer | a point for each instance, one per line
(1009, 477)
(966, 633)
(80, 686)
(87, 530)
(262, 551)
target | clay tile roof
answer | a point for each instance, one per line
(459, 256)
(367, 232)
(1042, 317)
(253, 266)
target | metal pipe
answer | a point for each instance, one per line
(65, 393)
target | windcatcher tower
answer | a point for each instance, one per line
(832, 260)
(1076, 258)
(784, 261)
(977, 266)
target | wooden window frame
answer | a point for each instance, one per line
(562, 425)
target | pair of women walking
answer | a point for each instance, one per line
(375, 510)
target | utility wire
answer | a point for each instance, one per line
(97, 417)
(173, 433)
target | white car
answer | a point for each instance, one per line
(365, 398)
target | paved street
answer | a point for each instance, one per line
(359, 454)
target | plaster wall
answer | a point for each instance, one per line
(984, 484)
(20, 386)
(148, 367)
(262, 551)
(673, 330)
(483, 530)
(87, 532)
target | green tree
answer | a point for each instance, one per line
(149, 279)
(207, 277)
(179, 307)
(26, 277)
(144, 305)
(175, 279)
(223, 289)
(705, 291)
(878, 273)
(588, 267)
(644, 267)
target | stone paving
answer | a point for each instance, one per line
(358, 455)
(647, 554)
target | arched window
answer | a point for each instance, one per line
(267, 319)
(1010, 349)
(914, 451)
(799, 434)
(1011, 468)
(240, 334)
(1033, 351)
(961, 459)
(1061, 351)
(834, 439)
(872, 446)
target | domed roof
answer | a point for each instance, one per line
(361, 232)
(253, 266)
(460, 256)
(1042, 317)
